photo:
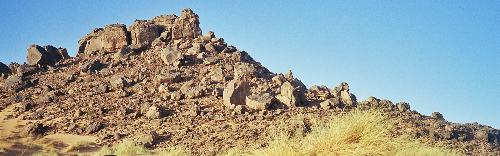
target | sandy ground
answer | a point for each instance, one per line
(12, 141)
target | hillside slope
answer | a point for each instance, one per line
(161, 83)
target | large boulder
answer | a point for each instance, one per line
(259, 102)
(143, 32)
(187, 25)
(38, 55)
(14, 82)
(57, 54)
(171, 56)
(109, 39)
(291, 95)
(5, 69)
(236, 92)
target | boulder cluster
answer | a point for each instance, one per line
(160, 82)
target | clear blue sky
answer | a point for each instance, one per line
(439, 56)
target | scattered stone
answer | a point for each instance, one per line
(91, 66)
(437, 115)
(279, 79)
(168, 79)
(403, 107)
(236, 92)
(44, 99)
(187, 86)
(149, 139)
(123, 53)
(176, 95)
(102, 89)
(93, 127)
(118, 82)
(243, 68)
(153, 112)
(210, 60)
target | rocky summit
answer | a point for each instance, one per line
(161, 82)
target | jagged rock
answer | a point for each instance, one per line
(217, 75)
(236, 92)
(91, 66)
(209, 36)
(342, 91)
(143, 32)
(38, 55)
(330, 103)
(209, 48)
(259, 102)
(291, 96)
(437, 115)
(14, 82)
(118, 82)
(149, 139)
(93, 127)
(153, 112)
(171, 56)
(289, 75)
(5, 69)
(320, 91)
(57, 54)
(176, 95)
(187, 25)
(101, 89)
(44, 99)
(279, 79)
(164, 23)
(242, 56)
(403, 107)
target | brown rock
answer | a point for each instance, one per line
(149, 139)
(115, 36)
(171, 56)
(143, 32)
(168, 79)
(259, 102)
(217, 75)
(291, 96)
(236, 92)
(118, 82)
(93, 127)
(329, 103)
(153, 112)
(38, 55)
(187, 25)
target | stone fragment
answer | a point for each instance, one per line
(168, 79)
(236, 92)
(330, 103)
(187, 86)
(118, 82)
(91, 66)
(217, 75)
(194, 92)
(38, 55)
(123, 53)
(259, 102)
(149, 139)
(187, 25)
(176, 95)
(14, 82)
(93, 127)
(437, 115)
(101, 89)
(44, 99)
(153, 112)
(171, 56)
(291, 96)
(209, 36)
(210, 60)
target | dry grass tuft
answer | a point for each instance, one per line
(79, 145)
(127, 148)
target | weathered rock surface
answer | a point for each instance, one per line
(38, 55)
(149, 139)
(143, 32)
(291, 96)
(118, 82)
(187, 25)
(236, 92)
(259, 102)
(171, 56)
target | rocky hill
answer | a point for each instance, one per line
(160, 83)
